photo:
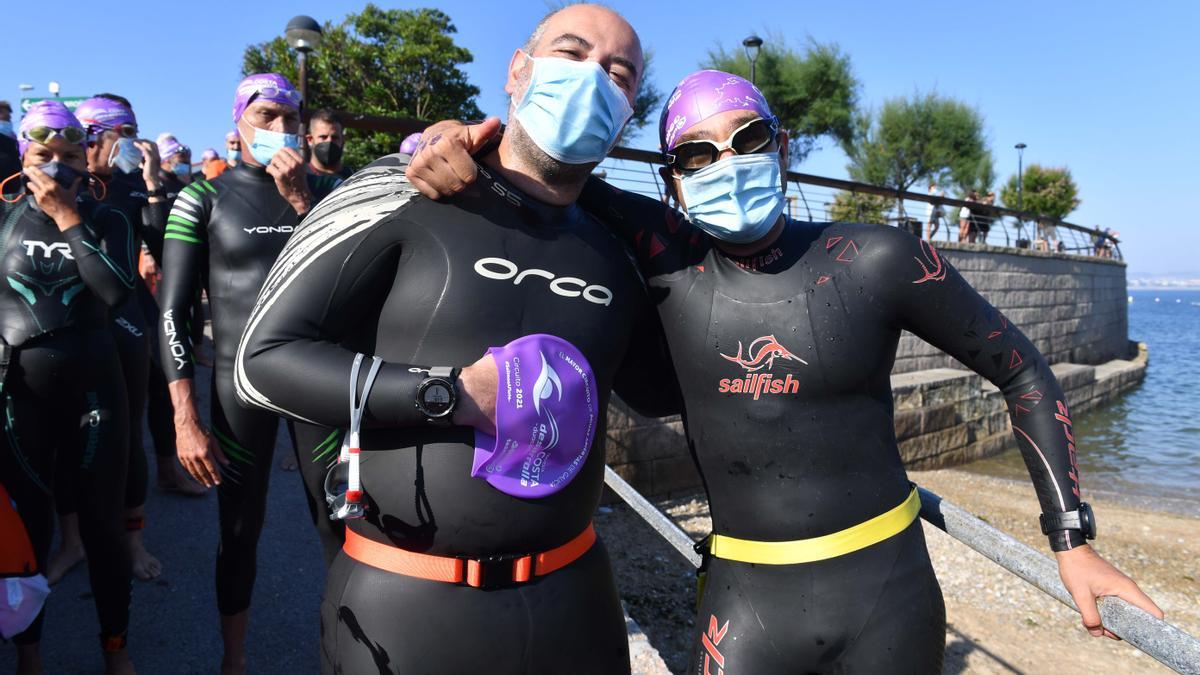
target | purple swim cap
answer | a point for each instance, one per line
(703, 94)
(409, 145)
(265, 86)
(546, 416)
(48, 113)
(209, 154)
(232, 135)
(170, 146)
(103, 114)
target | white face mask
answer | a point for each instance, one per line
(125, 156)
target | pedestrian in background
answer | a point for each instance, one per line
(933, 211)
(327, 142)
(965, 225)
(10, 160)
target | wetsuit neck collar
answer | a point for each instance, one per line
(772, 252)
(255, 172)
(491, 182)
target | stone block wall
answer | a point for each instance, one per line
(1074, 308)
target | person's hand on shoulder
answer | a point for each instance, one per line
(289, 170)
(442, 165)
(1087, 577)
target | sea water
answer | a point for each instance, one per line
(1146, 445)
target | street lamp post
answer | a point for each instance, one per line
(752, 44)
(1020, 176)
(303, 34)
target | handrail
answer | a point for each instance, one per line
(1167, 643)
(407, 125)
(633, 154)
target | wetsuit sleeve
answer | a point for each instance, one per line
(326, 289)
(933, 301)
(646, 378)
(103, 252)
(185, 255)
(154, 225)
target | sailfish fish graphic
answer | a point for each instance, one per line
(762, 354)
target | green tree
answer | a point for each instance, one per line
(814, 93)
(649, 96)
(1048, 191)
(390, 62)
(923, 137)
(856, 207)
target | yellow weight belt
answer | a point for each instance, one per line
(824, 547)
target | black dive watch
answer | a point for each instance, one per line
(437, 395)
(1082, 520)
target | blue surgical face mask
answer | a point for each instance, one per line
(6, 129)
(572, 110)
(125, 156)
(737, 199)
(182, 169)
(266, 143)
(233, 155)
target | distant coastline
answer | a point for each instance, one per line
(1164, 284)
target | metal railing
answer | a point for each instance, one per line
(821, 199)
(1167, 643)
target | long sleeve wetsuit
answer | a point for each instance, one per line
(380, 270)
(229, 231)
(132, 327)
(64, 395)
(784, 361)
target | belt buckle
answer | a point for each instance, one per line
(495, 572)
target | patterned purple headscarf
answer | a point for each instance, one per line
(49, 113)
(265, 86)
(703, 94)
(99, 113)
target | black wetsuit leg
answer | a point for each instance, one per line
(54, 382)
(247, 437)
(130, 331)
(877, 610)
(316, 450)
(379, 622)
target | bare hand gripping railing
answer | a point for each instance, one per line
(1170, 645)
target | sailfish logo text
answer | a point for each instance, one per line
(760, 355)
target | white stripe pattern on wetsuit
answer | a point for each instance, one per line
(357, 205)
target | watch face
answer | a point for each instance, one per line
(437, 399)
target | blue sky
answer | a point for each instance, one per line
(1109, 89)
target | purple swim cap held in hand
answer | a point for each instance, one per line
(547, 410)
(267, 87)
(47, 113)
(703, 94)
(409, 145)
(99, 113)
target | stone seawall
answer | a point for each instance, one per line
(1074, 308)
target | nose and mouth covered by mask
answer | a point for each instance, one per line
(64, 175)
(737, 199)
(125, 156)
(572, 110)
(267, 143)
(328, 153)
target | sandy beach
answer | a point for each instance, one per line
(996, 623)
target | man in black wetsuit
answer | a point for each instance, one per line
(126, 171)
(783, 335)
(226, 233)
(428, 287)
(66, 263)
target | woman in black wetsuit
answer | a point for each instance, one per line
(783, 335)
(66, 264)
